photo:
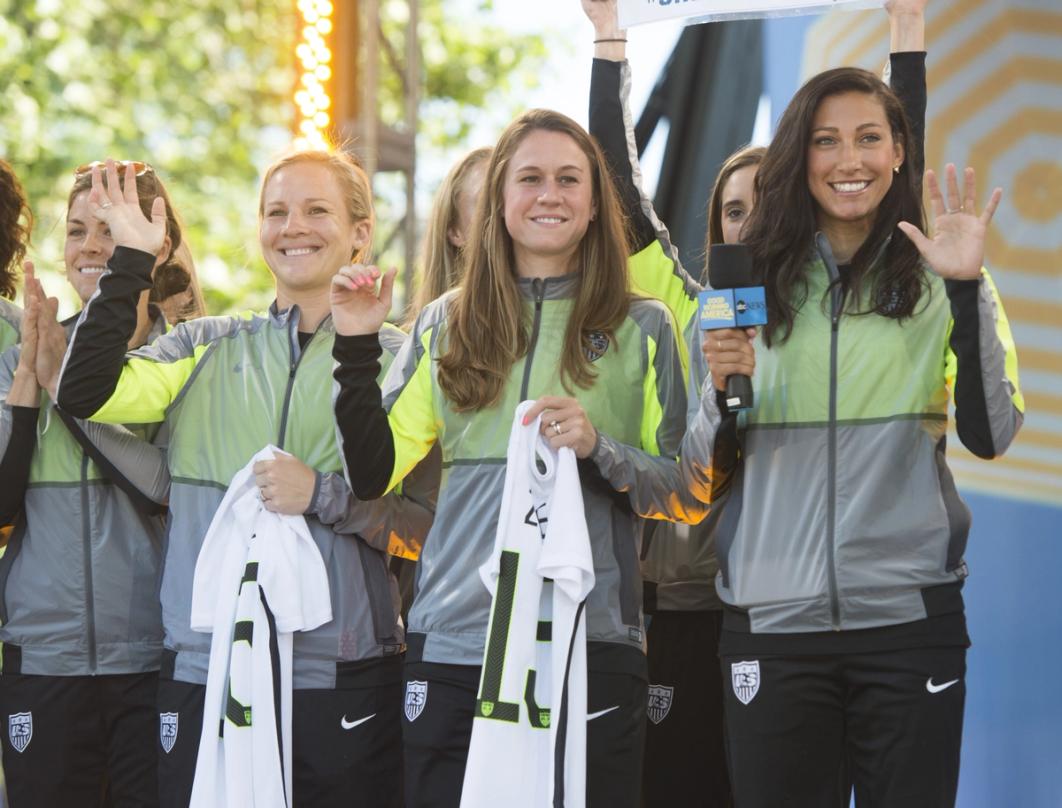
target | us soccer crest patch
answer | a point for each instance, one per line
(746, 680)
(167, 731)
(416, 698)
(20, 730)
(660, 697)
(596, 345)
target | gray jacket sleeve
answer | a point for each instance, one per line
(653, 481)
(397, 523)
(663, 488)
(141, 463)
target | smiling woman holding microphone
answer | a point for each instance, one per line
(841, 546)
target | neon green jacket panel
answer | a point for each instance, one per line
(638, 400)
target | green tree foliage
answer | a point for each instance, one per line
(202, 90)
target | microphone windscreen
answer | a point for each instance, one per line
(729, 266)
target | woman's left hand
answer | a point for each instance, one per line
(957, 249)
(564, 423)
(51, 343)
(119, 208)
(286, 484)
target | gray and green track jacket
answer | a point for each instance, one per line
(680, 559)
(79, 580)
(10, 324)
(843, 513)
(225, 387)
(637, 400)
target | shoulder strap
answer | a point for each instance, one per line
(141, 501)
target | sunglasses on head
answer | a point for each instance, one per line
(139, 167)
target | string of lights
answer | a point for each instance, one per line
(312, 102)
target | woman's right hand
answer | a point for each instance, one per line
(357, 308)
(729, 351)
(603, 14)
(119, 208)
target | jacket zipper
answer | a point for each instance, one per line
(538, 286)
(837, 305)
(86, 537)
(293, 340)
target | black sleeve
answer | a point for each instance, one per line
(365, 437)
(97, 349)
(908, 81)
(971, 408)
(608, 127)
(15, 464)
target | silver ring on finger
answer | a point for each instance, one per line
(950, 211)
(556, 427)
(106, 205)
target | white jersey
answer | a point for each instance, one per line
(259, 577)
(528, 747)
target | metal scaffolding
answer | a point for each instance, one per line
(361, 54)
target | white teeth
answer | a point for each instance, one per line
(548, 219)
(92, 270)
(300, 251)
(850, 187)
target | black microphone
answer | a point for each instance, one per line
(733, 301)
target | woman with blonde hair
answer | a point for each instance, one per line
(226, 387)
(544, 312)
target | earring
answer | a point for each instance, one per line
(895, 169)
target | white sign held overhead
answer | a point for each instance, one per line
(638, 12)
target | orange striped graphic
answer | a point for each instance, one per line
(995, 102)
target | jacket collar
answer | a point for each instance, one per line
(557, 288)
(289, 317)
(825, 252)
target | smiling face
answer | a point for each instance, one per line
(87, 249)
(851, 157)
(306, 231)
(737, 203)
(548, 200)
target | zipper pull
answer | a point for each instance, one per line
(539, 287)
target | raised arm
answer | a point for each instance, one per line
(654, 265)
(95, 359)
(379, 446)
(907, 69)
(982, 364)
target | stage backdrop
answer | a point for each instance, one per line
(995, 102)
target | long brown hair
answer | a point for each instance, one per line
(148, 186)
(443, 262)
(16, 223)
(488, 328)
(780, 232)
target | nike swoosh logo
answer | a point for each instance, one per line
(351, 724)
(599, 713)
(932, 688)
